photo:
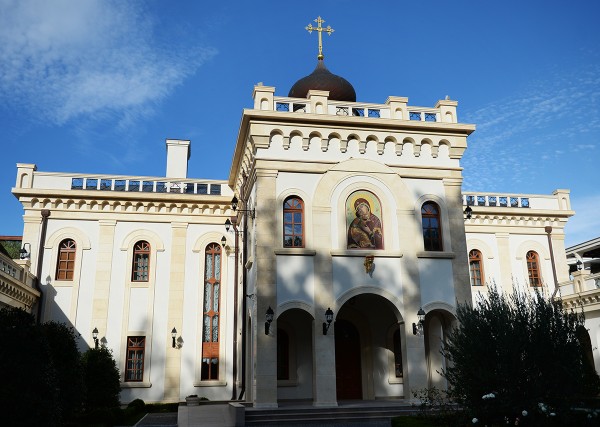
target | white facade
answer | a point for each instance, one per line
(331, 157)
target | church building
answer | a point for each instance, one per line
(327, 267)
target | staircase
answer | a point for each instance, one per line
(363, 413)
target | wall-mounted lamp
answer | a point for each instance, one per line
(369, 263)
(95, 336)
(269, 318)
(223, 241)
(25, 253)
(468, 212)
(173, 336)
(579, 265)
(328, 320)
(418, 327)
(234, 206)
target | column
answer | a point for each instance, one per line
(265, 356)
(175, 310)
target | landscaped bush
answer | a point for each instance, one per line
(510, 353)
(28, 384)
(101, 378)
(66, 359)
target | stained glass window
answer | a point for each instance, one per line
(211, 311)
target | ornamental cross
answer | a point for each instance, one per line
(320, 30)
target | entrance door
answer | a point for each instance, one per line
(347, 361)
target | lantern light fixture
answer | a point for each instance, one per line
(328, 320)
(23, 252)
(173, 336)
(468, 212)
(234, 206)
(269, 315)
(579, 265)
(419, 326)
(95, 337)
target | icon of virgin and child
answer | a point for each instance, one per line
(365, 230)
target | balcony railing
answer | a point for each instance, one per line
(145, 186)
(503, 201)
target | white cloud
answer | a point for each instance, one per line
(68, 58)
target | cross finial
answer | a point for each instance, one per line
(320, 30)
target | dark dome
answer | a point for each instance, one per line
(321, 78)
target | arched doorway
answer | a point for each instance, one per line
(348, 368)
(369, 338)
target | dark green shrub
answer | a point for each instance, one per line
(137, 404)
(28, 389)
(101, 379)
(517, 351)
(66, 359)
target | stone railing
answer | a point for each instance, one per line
(16, 284)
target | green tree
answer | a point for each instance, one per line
(62, 341)
(101, 378)
(520, 349)
(28, 387)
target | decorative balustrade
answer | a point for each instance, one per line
(16, 284)
(145, 186)
(498, 201)
(357, 110)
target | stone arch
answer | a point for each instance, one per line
(395, 302)
(294, 304)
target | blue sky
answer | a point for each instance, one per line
(97, 86)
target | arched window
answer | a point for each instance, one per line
(476, 267)
(283, 355)
(65, 265)
(533, 268)
(293, 222)
(211, 311)
(432, 228)
(141, 261)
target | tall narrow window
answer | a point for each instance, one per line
(533, 268)
(66, 260)
(134, 366)
(293, 222)
(283, 355)
(476, 267)
(141, 261)
(397, 354)
(211, 311)
(432, 229)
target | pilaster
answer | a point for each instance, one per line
(265, 357)
(504, 258)
(106, 237)
(175, 310)
(456, 220)
(324, 376)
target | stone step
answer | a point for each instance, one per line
(317, 416)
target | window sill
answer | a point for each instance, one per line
(59, 283)
(436, 254)
(296, 251)
(396, 380)
(210, 383)
(377, 253)
(132, 384)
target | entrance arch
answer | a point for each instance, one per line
(438, 323)
(368, 360)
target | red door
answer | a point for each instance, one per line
(347, 361)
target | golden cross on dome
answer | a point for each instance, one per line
(320, 30)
